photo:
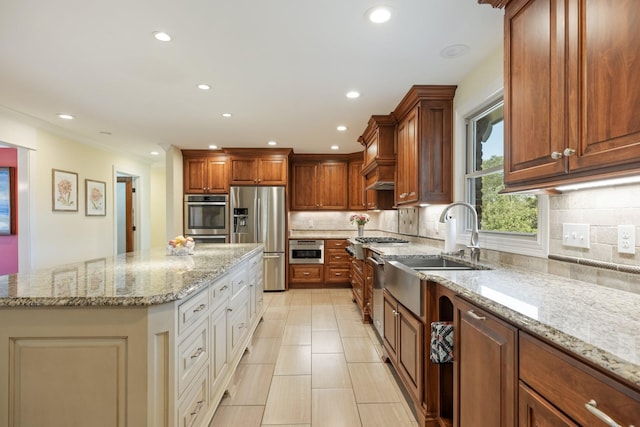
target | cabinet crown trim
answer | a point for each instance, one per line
(419, 93)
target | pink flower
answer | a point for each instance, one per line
(360, 219)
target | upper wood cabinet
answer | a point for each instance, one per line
(205, 172)
(379, 157)
(356, 183)
(258, 167)
(572, 96)
(424, 137)
(319, 184)
(379, 166)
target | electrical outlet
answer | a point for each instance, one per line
(575, 235)
(626, 239)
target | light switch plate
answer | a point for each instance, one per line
(626, 239)
(575, 235)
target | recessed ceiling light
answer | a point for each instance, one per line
(66, 116)
(162, 36)
(204, 86)
(454, 51)
(341, 128)
(379, 15)
(353, 94)
(226, 114)
(334, 147)
(155, 153)
(272, 143)
(213, 147)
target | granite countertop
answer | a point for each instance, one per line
(599, 324)
(133, 279)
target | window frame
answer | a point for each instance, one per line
(520, 243)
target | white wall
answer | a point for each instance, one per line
(63, 237)
(158, 206)
(50, 238)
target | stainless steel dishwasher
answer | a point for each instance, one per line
(378, 285)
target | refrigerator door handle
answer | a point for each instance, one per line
(259, 238)
(271, 256)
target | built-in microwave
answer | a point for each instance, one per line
(206, 215)
(306, 251)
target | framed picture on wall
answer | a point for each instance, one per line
(95, 197)
(65, 191)
(7, 201)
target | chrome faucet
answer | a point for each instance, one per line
(475, 249)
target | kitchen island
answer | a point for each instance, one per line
(140, 339)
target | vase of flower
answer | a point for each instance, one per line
(360, 220)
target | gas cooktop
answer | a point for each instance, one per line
(380, 240)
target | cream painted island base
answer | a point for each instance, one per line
(155, 365)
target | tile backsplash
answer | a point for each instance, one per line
(602, 208)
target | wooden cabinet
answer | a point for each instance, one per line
(571, 92)
(424, 137)
(205, 172)
(258, 167)
(485, 364)
(534, 411)
(557, 383)
(306, 274)
(379, 166)
(356, 278)
(404, 342)
(356, 184)
(336, 262)
(319, 185)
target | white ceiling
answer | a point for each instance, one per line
(282, 67)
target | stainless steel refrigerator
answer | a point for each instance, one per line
(258, 216)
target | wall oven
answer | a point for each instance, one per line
(206, 217)
(306, 251)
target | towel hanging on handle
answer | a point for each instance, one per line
(441, 342)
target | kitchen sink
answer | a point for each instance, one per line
(403, 283)
(435, 262)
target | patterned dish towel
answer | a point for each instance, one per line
(441, 342)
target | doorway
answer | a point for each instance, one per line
(125, 206)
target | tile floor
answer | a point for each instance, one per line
(313, 364)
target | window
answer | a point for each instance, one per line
(500, 216)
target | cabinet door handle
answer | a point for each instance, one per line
(568, 152)
(229, 309)
(592, 407)
(198, 352)
(338, 257)
(413, 193)
(475, 316)
(556, 155)
(199, 308)
(224, 288)
(197, 408)
(338, 274)
(306, 273)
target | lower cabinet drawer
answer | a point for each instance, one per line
(193, 353)
(306, 273)
(220, 293)
(570, 385)
(193, 310)
(195, 404)
(336, 274)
